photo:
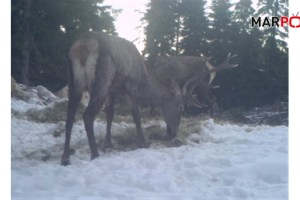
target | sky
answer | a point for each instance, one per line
(128, 22)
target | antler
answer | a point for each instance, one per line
(188, 89)
(192, 101)
(226, 63)
(198, 80)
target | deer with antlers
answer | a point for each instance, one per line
(191, 72)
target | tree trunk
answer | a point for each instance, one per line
(177, 37)
(178, 23)
(25, 52)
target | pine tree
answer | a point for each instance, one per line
(262, 74)
(223, 37)
(275, 51)
(243, 11)
(194, 31)
(161, 27)
(223, 31)
(52, 27)
(262, 54)
(271, 8)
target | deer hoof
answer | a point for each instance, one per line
(94, 155)
(108, 147)
(143, 145)
(65, 162)
(171, 136)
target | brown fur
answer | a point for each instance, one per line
(83, 54)
(82, 49)
(107, 67)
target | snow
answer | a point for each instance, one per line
(22, 106)
(217, 160)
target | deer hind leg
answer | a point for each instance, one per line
(109, 107)
(105, 74)
(75, 94)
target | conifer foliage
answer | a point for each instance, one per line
(42, 32)
(223, 27)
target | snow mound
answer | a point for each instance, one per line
(207, 160)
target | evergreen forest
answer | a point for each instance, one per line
(42, 32)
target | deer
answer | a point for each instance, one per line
(182, 68)
(108, 67)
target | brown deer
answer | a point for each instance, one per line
(108, 66)
(182, 68)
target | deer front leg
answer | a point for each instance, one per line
(137, 120)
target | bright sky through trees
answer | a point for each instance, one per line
(128, 21)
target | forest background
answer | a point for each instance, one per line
(42, 31)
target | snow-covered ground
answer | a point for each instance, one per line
(213, 161)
